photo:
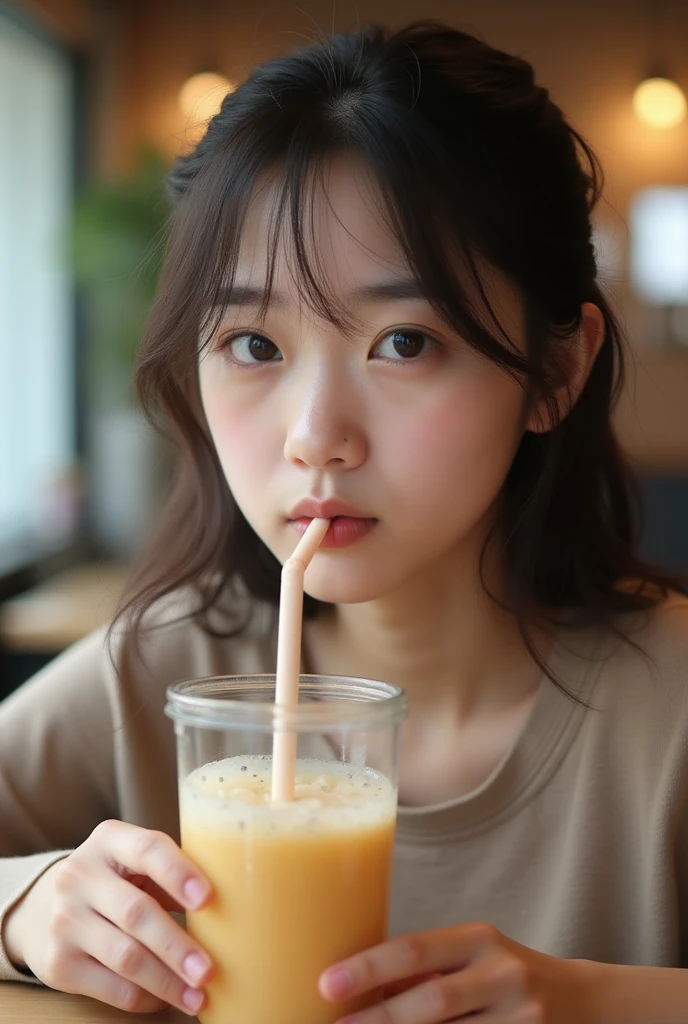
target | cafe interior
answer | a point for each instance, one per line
(96, 99)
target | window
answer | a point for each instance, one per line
(659, 245)
(36, 301)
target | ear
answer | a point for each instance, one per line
(576, 362)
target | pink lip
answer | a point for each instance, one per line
(342, 531)
(348, 524)
(313, 509)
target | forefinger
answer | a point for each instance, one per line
(396, 988)
(441, 951)
(157, 856)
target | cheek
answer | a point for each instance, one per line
(243, 435)
(465, 438)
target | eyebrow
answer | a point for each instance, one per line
(395, 289)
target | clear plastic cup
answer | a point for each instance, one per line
(297, 886)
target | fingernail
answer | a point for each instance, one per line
(337, 982)
(195, 966)
(192, 999)
(195, 891)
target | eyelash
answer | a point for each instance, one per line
(225, 347)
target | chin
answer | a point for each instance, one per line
(339, 586)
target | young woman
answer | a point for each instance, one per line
(380, 305)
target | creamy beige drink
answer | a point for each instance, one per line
(298, 886)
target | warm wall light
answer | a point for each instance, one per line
(201, 95)
(659, 102)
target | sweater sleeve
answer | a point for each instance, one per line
(56, 771)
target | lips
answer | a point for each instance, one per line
(310, 508)
(347, 523)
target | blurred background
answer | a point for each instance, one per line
(96, 98)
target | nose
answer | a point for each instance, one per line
(324, 431)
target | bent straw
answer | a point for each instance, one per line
(289, 656)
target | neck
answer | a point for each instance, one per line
(441, 637)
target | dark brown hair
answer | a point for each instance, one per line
(475, 163)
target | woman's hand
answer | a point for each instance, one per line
(471, 971)
(96, 923)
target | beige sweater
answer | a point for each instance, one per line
(577, 845)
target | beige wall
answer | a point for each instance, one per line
(589, 53)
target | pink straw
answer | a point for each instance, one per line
(289, 656)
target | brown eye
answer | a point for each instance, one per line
(400, 345)
(253, 348)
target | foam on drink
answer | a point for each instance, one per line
(328, 796)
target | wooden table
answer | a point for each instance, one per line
(31, 1004)
(58, 612)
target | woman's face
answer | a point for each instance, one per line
(398, 418)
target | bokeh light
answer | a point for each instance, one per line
(660, 103)
(201, 95)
